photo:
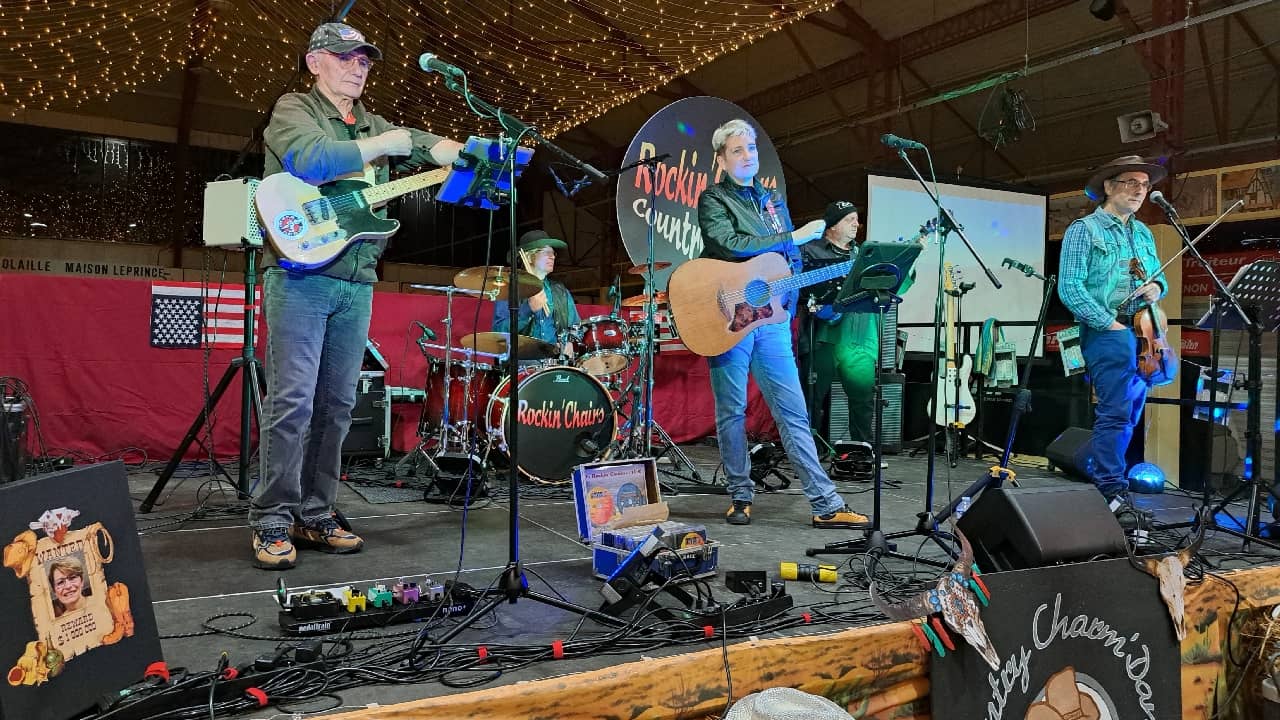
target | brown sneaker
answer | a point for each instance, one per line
(843, 518)
(273, 550)
(326, 535)
(739, 513)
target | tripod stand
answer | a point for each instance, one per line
(250, 393)
(872, 284)
(496, 172)
(641, 425)
(929, 522)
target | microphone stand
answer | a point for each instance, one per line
(1222, 298)
(926, 526)
(512, 584)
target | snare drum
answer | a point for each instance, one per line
(600, 345)
(470, 385)
(566, 418)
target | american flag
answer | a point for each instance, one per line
(180, 312)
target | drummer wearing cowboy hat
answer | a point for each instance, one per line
(1095, 280)
(551, 312)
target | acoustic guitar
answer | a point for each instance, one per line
(310, 226)
(715, 303)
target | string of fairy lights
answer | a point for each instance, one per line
(553, 63)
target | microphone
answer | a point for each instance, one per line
(559, 183)
(893, 142)
(587, 447)
(427, 332)
(1158, 198)
(429, 62)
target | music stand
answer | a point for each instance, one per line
(871, 286)
(1256, 287)
(482, 174)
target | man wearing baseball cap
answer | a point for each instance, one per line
(1094, 281)
(549, 313)
(318, 321)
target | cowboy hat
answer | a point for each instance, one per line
(538, 239)
(784, 703)
(1129, 163)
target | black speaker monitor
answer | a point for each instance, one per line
(1020, 528)
(1069, 452)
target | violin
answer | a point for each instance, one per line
(1157, 363)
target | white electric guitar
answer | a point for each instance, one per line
(954, 405)
(310, 226)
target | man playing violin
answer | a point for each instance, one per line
(1101, 286)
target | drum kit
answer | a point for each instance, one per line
(578, 401)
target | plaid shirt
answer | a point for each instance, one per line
(1094, 267)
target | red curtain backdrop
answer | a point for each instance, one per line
(82, 347)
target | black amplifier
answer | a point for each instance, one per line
(370, 434)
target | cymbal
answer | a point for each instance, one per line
(527, 348)
(642, 300)
(642, 269)
(495, 279)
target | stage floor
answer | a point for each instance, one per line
(200, 568)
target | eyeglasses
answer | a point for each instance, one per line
(1134, 184)
(351, 58)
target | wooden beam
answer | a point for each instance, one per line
(1144, 48)
(951, 108)
(1257, 41)
(1212, 84)
(859, 29)
(813, 68)
(972, 24)
(202, 18)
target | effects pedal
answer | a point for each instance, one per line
(347, 608)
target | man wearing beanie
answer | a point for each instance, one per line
(844, 346)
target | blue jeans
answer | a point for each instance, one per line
(1113, 369)
(316, 332)
(766, 354)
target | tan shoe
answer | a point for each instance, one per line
(273, 550)
(843, 518)
(326, 535)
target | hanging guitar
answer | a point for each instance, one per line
(954, 405)
(715, 303)
(310, 226)
(1157, 363)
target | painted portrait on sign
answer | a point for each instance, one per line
(73, 608)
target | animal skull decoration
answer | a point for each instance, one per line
(952, 599)
(1169, 570)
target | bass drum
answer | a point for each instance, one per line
(566, 418)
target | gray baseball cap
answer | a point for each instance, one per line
(340, 38)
